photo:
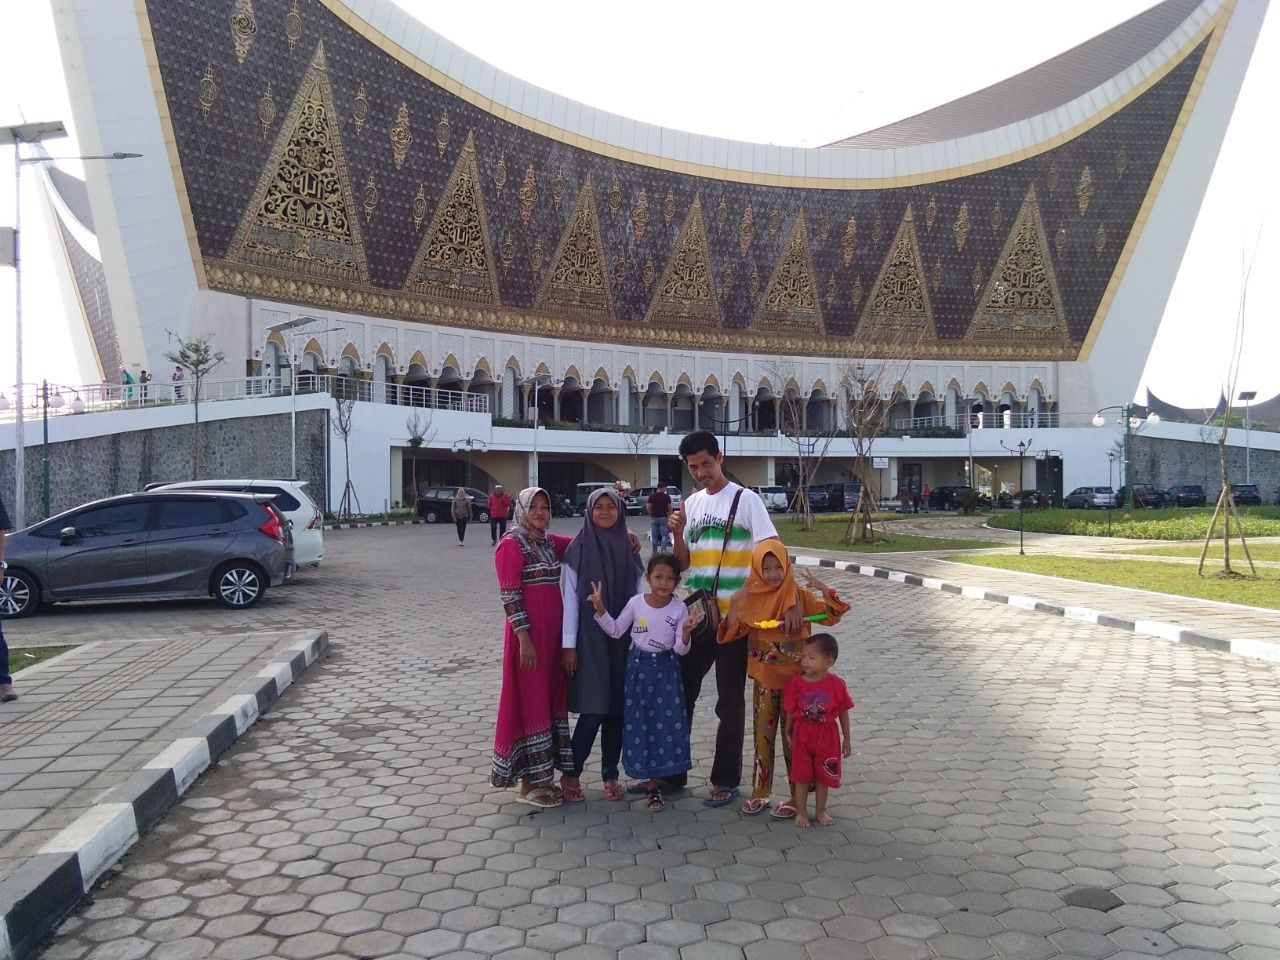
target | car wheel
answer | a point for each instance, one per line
(239, 584)
(431, 515)
(483, 516)
(19, 594)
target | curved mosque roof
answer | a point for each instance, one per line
(383, 170)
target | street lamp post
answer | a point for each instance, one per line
(470, 443)
(46, 401)
(1132, 424)
(1246, 396)
(1111, 469)
(1021, 450)
(18, 134)
(536, 380)
(290, 327)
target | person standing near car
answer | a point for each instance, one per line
(659, 508)
(499, 512)
(460, 509)
(924, 497)
(7, 694)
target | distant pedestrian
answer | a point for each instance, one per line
(461, 511)
(7, 694)
(925, 497)
(499, 513)
(904, 499)
(659, 508)
(915, 499)
(143, 379)
(178, 378)
(126, 381)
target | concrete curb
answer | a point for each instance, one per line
(372, 523)
(49, 885)
(1171, 632)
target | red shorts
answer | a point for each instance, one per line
(815, 753)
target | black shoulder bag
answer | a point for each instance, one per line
(705, 600)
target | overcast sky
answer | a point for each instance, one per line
(799, 74)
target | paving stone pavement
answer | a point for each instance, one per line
(1009, 769)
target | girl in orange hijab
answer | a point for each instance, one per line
(773, 656)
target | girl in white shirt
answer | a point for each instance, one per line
(655, 732)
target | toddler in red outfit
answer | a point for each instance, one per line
(812, 703)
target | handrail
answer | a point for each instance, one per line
(1008, 420)
(99, 397)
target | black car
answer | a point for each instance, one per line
(1185, 495)
(948, 498)
(819, 499)
(1246, 495)
(435, 504)
(844, 496)
(1144, 495)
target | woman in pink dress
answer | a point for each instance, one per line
(531, 740)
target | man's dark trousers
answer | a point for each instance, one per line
(497, 528)
(730, 662)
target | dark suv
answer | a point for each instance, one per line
(1246, 495)
(1145, 495)
(1186, 495)
(948, 498)
(435, 504)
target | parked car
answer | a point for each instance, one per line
(1246, 495)
(819, 499)
(435, 504)
(1090, 498)
(948, 498)
(583, 490)
(1144, 495)
(775, 498)
(844, 496)
(290, 497)
(151, 545)
(638, 500)
(1186, 495)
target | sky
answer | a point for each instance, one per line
(803, 73)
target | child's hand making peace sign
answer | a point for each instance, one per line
(597, 600)
(691, 622)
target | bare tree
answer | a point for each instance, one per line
(198, 357)
(811, 442)
(342, 427)
(421, 432)
(1226, 506)
(638, 442)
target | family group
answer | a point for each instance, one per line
(593, 631)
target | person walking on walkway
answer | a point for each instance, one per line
(659, 507)
(7, 694)
(531, 736)
(461, 512)
(595, 662)
(499, 513)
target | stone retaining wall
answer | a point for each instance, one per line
(1165, 463)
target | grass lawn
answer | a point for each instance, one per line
(1171, 523)
(1265, 551)
(828, 536)
(1176, 578)
(23, 657)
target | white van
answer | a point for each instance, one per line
(290, 497)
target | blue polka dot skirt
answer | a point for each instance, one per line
(655, 734)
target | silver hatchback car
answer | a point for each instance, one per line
(165, 544)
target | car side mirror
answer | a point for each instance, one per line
(67, 534)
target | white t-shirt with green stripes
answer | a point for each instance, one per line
(705, 518)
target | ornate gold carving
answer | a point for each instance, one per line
(686, 294)
(620, 268)
(1051, 178)
(900, 298)
(997, 216)
(1084, 191)
(935, 276)
(266, 111)
(615, 198)
(507, 251)
(857, 293)
(1122, 160)
(360, 108)
(669, 206)
(528, 194)
(453, 261)
(746, 230)
(293, 26)
(401, 136)
(300, 220)
(243, 28)
(208, 92)
(753, 282)
(370, 197)
(444, 132)
(419, 207)
(647, 274)
(775, 220)
(824, 228)
(557, 189)
(791, 300)
(975, 278)
(640, 216)
(930, 213)
(877, 229)
(537, 256)
(1060, 241)
(1021, 299)
(1099, 240)
(500, 173)
(722, 215)
(727, 279)
(576, 283)
(850, 242)
(962, 228)
(831, 290)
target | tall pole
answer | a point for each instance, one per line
(293, 408)
(536, 477)
(1246, 441)
(44, 407)
(19, 431)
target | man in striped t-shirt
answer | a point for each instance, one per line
(698, 530)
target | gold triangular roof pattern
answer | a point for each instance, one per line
(899, 303)
(686, 295)
(790, 302)
(576, 283)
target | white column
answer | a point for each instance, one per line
(653, 471)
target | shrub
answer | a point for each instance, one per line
(1171, 524)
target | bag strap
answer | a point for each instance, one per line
(728, 529)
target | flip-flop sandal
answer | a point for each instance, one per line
(613, 791)
(783, 811)
(539, 797)
(638, 788)
(656, 803)
(721, 797)
(755, 806)
(572, 794)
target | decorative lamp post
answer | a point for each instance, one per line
(1021, 450)
(57, 401)
(536, 380)
(1132, 424)
(469, 443)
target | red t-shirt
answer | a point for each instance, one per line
(820, 702)
(659, 504)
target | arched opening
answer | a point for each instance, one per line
(711, 411)
(571, 405)
(418, 386)
(765, 419)
(600, 406)
(682, 418)
(654, 408)
(818, 415)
